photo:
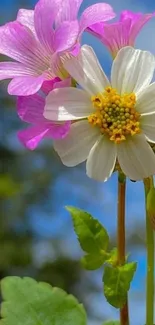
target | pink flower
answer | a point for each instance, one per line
(39, 39)
(30, 109)
(122, 33)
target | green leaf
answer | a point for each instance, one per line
(117, 283)
(93, 262)
(92, 236)
(111, 322)
(30, 303)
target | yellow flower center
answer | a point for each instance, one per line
(115, 114)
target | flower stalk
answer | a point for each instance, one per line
(124, 314)
(148, 183)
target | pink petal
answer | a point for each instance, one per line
(12, 69)
(17, 42)
(26, 18)
(125, 14)
(48, 85)
(120, 34)
(55, 83)
(97, 29)
(57, 65)
(58, 131)
(137, 20)
(66, 36)
(44, 16)
(138, 25)
(68, 11)
(31, 136)
(25, 86)
(96, 13)
(62, 84)
(133, 16)
(30, 109)
(116, 36)
(76, 49)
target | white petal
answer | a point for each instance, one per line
(146, 100)
(66, 104)
(136, 158)
(101, 160)
(132, 70)
(148, 126)
(74, 149)
(86, 70)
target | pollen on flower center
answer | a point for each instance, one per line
(115, 114)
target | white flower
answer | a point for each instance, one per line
(112, 120)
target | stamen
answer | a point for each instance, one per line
(115, 114)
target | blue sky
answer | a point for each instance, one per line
(98, 199)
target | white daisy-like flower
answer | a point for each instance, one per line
(113, 121)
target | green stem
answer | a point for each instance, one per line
(124, 314)
(150, 260)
